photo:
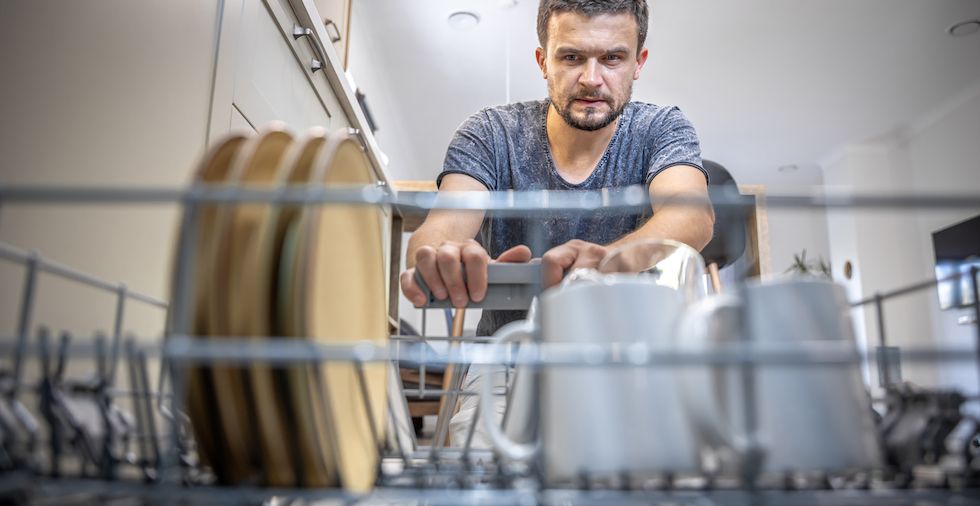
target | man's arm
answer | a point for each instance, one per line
(677, 214)
(675, 217)
(444, 244)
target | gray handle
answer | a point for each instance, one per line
(316, 64)
(509, 287)
(299, 31)
(335, 36)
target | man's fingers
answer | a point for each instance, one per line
(517, 254)
(554, 263)
(475, 260)
(451, 269)
(411, 289)
(572, 255)
(425, 264)
(589, 256)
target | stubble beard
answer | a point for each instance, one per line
(593, 120)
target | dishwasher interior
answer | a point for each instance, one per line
(104, 417)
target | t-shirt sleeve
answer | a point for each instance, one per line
(675, 143)
(471, 152)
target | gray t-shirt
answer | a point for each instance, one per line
(506, 148)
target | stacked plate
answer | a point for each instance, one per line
(313, 272)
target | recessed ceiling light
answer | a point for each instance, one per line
(788, 168)
(964, 28)
(463, 20)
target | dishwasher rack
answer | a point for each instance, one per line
(148, 452)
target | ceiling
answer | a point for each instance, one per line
(767, 83)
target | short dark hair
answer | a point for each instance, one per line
(592, 8)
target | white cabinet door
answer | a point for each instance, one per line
(266, 74)
(336, 17)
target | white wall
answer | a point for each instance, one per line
(106, 92)
(944, 154)
(372, 76)
(882, 248)
(892, 248)
(793, 230)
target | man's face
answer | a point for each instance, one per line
(590, 65)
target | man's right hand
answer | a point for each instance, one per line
(442, 269)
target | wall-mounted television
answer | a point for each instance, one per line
(957, 250)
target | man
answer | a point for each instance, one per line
(588, 135)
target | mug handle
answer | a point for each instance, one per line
(515, 331)
(704, 394)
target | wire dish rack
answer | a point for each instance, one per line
(123, 432)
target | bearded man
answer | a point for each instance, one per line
(587, 135)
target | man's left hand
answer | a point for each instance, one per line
(572, 255)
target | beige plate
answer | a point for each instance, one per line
(342, 300)
(279, 235)
(250, 410)
(200, 396)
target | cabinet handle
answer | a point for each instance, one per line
(299, 31)
(318, 56)
(335, 35)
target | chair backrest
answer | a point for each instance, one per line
(728, 241)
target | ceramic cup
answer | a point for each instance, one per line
(810, 417)
(596, 419)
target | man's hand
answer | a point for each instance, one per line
(572, 255)
(442, 270)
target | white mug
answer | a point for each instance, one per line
(601, 420)
(810, 417)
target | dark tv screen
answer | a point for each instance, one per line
(957, 250)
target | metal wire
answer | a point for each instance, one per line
(522, 203)
(276, 351)
(436, 466)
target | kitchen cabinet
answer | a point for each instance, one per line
(273, 65)
(269, 68)
(336, 19)
(273, 62)
(121, 93)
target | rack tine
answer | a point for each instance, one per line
(362, 380)
(62, 356)
(28, 423)
(171, 469)
(179, 313)
(178, 321)
(47, 402)
(442, 425)
(394, 418)
(24, 319)
(134, 384)
(469, 435)
(100, 356)
(168, 412)
(45, 352)
(108, 460)
(165, 365)
(146, 402)
(117, 328)
(105, 461)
